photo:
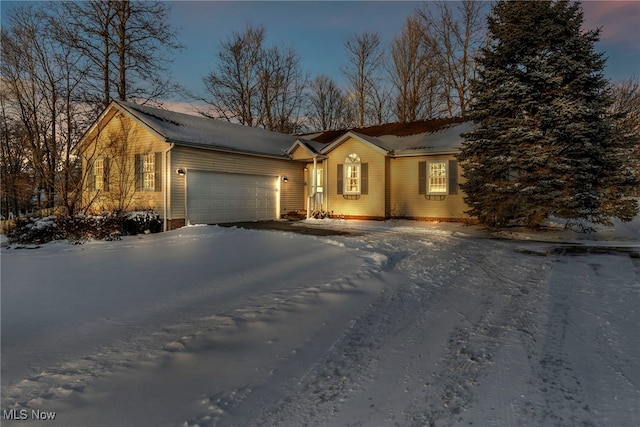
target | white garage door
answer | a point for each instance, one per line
(216, 197)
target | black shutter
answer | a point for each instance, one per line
(91, 185)
(452, 175)
(138, 166)
(157, 186)
(340, 182)
(105, 177)
(364, 178)
(422, 177)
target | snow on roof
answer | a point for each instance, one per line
(446, 139)
(417, 138)
(202, 132)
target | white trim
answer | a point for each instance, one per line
(423, 153)
(446, 177)
(352, 165)
(299, 143)
(344, 138)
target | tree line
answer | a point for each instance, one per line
(424, 73)
(63, 62)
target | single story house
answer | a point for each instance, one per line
(196, 170)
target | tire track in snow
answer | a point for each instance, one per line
(435, 323)
(588, 376)
(508, 302)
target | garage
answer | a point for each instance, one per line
(218, 197)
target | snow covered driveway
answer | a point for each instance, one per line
(402, 324)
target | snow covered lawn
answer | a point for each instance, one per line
(402, 323)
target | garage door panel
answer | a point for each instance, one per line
(216, 197)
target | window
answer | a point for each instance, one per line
(352, 174)
(149, 172)
(353, 177)
(98, 174)
(437, 178)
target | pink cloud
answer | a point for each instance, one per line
(618, 20)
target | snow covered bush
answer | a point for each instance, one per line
(34, 230)
(103, 227)
(139, 222)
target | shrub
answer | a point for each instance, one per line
(140, 222)
(35, 230)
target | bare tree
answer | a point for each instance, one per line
(454, 31)
(87, 27)
(626, 130)
(256, 85)
(234, 84)
(365, 59)
(413, 74)
(61, 63)
(281, 84)
(119, 171)
(18, 183)
(30, 78)
(327, 105)
(128, 44)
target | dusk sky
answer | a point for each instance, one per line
(317, 30)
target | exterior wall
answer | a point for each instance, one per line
(301, 154)
(405, 200)
(291, 192)
(371, 205)
(120, 140)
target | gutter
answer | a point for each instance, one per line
(167, 183)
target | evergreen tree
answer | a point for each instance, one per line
(543, 143)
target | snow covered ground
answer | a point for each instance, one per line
(401, 323)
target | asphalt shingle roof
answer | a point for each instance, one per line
(202, 132)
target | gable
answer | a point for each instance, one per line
(367, 153)
(117, 133)
(301, 151)
(355, 138)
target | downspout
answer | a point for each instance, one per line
(165, 187)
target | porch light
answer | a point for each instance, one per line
(285, 179)
(181, 172)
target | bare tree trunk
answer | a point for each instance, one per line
(454, 36)
(365, 58)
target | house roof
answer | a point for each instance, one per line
(397, 129)
(403, 139)
(202, 132)
(445, 140)
(396, 139)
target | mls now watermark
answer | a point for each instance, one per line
(25, 414)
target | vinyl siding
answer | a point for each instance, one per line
(300, 153)
(291, 192)
(405, 200)
(367, 205)
(122, 192)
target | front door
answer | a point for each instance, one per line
(318, 200)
